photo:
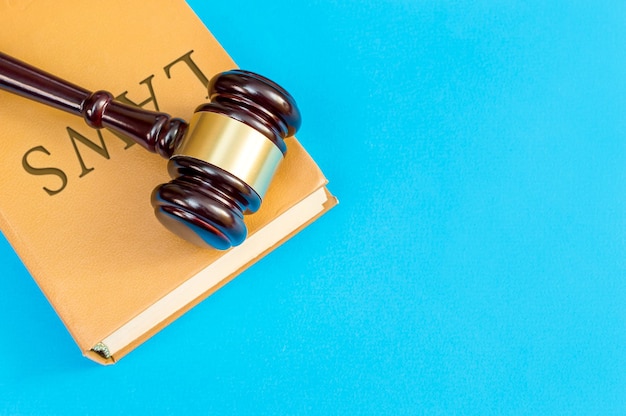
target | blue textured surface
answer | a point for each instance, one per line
(476, 264)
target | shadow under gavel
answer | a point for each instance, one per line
(221, 162)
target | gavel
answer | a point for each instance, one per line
(221, 163)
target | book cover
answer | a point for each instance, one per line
(74, 201)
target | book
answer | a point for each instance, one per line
(75, 202)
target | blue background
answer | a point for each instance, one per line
(476, 264)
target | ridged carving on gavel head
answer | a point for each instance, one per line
(224, 163)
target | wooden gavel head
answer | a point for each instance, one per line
(221, 162)
(223, 165)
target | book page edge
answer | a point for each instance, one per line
(212, 276)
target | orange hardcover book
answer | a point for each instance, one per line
(74, 201)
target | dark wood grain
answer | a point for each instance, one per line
(155, 131)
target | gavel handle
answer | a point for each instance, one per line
(157, 132)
